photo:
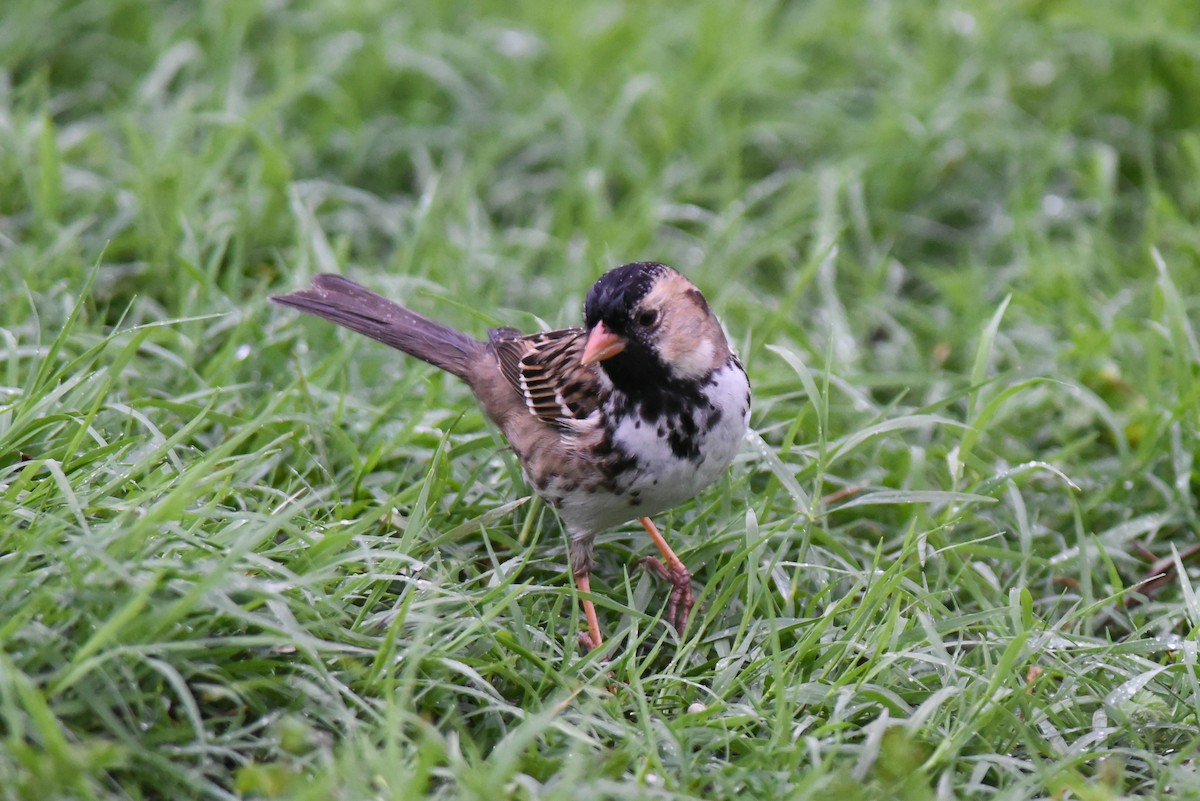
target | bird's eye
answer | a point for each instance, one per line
(647, 318)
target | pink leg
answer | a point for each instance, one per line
(592, 638)
(679, 607)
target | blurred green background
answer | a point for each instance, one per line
(956, 244)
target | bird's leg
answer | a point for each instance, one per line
(580, 557)
(679, 607)
(590, 639)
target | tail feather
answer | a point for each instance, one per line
(348, 304)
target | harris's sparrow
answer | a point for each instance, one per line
(626, 417)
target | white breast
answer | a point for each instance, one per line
(662, 479)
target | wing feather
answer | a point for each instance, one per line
(545, 370)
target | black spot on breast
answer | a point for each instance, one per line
(615, 461)
(622, 404)
(713, 417)
(612, 456)
(684, 445)
(664, 399)
(623, 464)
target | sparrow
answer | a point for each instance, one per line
(628, 416)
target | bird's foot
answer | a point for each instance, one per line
(679, 606)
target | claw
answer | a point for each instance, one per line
(679, 607)
(681, 601)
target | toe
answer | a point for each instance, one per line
(657, 568)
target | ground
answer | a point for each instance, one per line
(248, 555)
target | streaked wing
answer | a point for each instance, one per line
(545, 370)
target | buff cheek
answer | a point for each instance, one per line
(694, 361)
(687, 348)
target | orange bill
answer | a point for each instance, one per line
(601, 344)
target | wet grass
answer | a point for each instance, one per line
(247, 555)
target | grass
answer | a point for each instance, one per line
(247, 555)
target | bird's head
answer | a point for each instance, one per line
(648, 326)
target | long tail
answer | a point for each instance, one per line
(344, 302)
